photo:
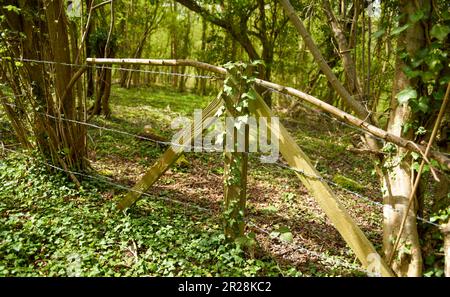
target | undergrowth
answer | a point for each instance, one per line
(50, 228)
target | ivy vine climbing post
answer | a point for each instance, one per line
(236, 95)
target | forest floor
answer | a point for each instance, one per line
(48, 227)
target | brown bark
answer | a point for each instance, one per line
(59, 43)
(350, 101)
(239, 30)
(44, 35)
(353, 84)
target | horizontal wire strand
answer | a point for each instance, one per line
(114, 68)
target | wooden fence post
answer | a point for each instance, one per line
(236, 161)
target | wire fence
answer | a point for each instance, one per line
(326, 259)
(322, 257)
(200, 148)
(132, 69)
(360, 197)
(332, 183)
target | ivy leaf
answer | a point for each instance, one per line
(446, 15)
(410, 73)
(287, 237)
(417, 16)
(404, 96)
(407, 127)
(12, 8)
(258, 62)
(250, 95)
(274, 234)
(220, 112)
(415, 156)
(440, 31)
(378, 34)
(399, 30)
(285, 234)
(423, 104)
(421, 131)
(416, 166)
(228, 90)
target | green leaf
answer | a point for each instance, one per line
(415, 156)
(379, 33)
(258, 62)
(446, 15)
(423, 104)
(417, 16)
(440, 31)
(12, 8)
(421, 131)
(228, 90)
(287, 237)
(274, 234)
(284, 229)
(399, 30)
(404, 96)
(406, 127)
(250, 95)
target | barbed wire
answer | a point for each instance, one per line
(15, 96)
(331, 182)
(303, 250)
(360, 196)
(109, 181)
(94, 66)
(324, 114)
(202, 148)
(325, 258)
(164, 143)
(106, 180)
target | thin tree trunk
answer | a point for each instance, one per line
(60, 142)
(353, 104)
(446, 233)
(353, 84)
(398, 184)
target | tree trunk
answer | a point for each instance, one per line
(446, 234)
(201, 81)
(353, 84)
(45, 27)
(398, 183)
(90, 88)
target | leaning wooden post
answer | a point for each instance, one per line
(445, 229)
(235, 94)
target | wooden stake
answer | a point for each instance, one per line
(235, 170)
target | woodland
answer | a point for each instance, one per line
(96, 180)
